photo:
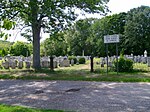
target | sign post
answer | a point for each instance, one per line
(112, 39)
(107, 56)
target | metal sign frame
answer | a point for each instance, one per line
(108, 39)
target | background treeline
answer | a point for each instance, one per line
(15, 49)
(86, 36)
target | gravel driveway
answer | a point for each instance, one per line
(77, 95)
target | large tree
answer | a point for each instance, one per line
(49, 15)
(88, 34)
(54, 46)
(113, 24)
(78, 35)
(137, 31)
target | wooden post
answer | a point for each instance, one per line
(51, 63)
(92, 64)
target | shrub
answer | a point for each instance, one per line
(124, 65)
(74, 58)
(82, 60)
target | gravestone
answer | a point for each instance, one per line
(135, 59)
(144, 60)
(45, 64)
(72, 62)
(28, 64)
(148, 61)
(109, 64)
(55, 64)
(20, 64)
(6, 65)
(145, 53)
(12, 64)
(139, 59)
(65, 63)
(1, 58)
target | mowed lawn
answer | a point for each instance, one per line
(141, 73)
(7, 108)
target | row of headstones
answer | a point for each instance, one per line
(135, 59)
(20, 62)
(27, 64)
(18, 58)
(64, 63)
(15, 64)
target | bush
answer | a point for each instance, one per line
(74, 58)
(124, 65)
(82, 60)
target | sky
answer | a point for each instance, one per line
(115, 6)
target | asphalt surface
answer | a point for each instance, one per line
(77, 95)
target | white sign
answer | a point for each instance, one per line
(111, 38)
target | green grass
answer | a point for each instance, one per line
(141, 73)
(8, 108)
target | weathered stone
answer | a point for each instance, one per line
(45, 64)
(12, 65)
(20, 64)
(55, 64)
(65, 63)
(6, 65)
(72, 62)
(28, 64)
(148, 61)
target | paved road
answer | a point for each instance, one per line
(77, 95)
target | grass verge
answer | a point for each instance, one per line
(141, 73)
(8, 108)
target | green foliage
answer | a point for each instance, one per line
(5, 44)
(74, 58)
(30, 46)
(5, 47)
(20, 48)
(77, 36)
(137, 31)
(4, 52)
(52, 46)
(6, 24)
(81, 60)
(133, 28)
(124, 65)
(88, 34)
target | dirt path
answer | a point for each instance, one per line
(77, 95)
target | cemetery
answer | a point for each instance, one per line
(14, 65)
(74, 56)
(20, 62)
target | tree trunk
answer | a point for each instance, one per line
(36, 46)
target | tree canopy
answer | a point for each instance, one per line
(133, 28)
(20, 48)
(137, 31)
(50, 15)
